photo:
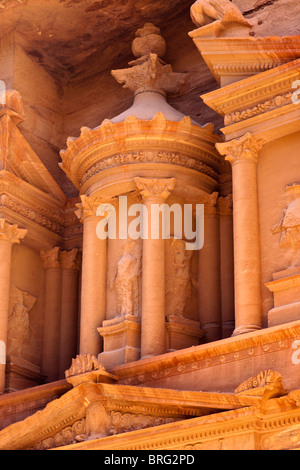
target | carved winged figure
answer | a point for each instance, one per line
(204, 12)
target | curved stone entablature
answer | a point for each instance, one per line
(153, 144)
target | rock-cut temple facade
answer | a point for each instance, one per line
(149, 225)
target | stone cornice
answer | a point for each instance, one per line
(129, 142)
(251, 96)
(236, 58)
(262, 104)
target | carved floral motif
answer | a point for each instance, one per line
(245, 148)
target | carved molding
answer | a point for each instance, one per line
(11, 233)
(155, 157)
(261, 108)
(246, 148)
(41, 216)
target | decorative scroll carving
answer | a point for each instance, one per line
(204, 12)
(126, 279)
(261, 108)
(39, 215)
(178, 280)
(99, 423)
(245, 148)
(289, 226)
(11, 233)
(18, 323)
(267, 384)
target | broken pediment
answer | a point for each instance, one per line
(17, 156)
(94, 410)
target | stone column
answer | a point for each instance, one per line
(9, 235)
(52, 313)
(153, 328)
(70, 263)
(243, 156)
(226, 264)
(94, 270)
(210, 315)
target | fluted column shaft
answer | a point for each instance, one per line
(9, 235)
(52, 313)
(153, 329)
(243, 156)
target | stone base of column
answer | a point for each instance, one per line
(227, 329)
(121, 341)
(182, 333)
(285, 288)
(21, 374)
(213, 332)
(242, 330)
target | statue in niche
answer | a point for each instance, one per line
(18, 323)
(126, 279)
(289, 226)
(204, 12)
(179, 281)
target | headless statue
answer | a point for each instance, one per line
(204, 12)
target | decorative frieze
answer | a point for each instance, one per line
(150, 157)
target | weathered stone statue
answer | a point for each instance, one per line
(18, 322)
(204, 12)
(126, 279)
(178, 279)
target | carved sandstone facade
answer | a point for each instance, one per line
(108, 341)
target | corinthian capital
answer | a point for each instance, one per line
(11, 233)
(155, 188)
(225, 205)
(89, 205)
(246, 148)
(71, 259)
(51, 258)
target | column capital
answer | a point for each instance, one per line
(71, 259)
(155, 188)
(51, 258)
(246, 148)
(89, 205)
(225, 205)
(210, 203)
(11, 233)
